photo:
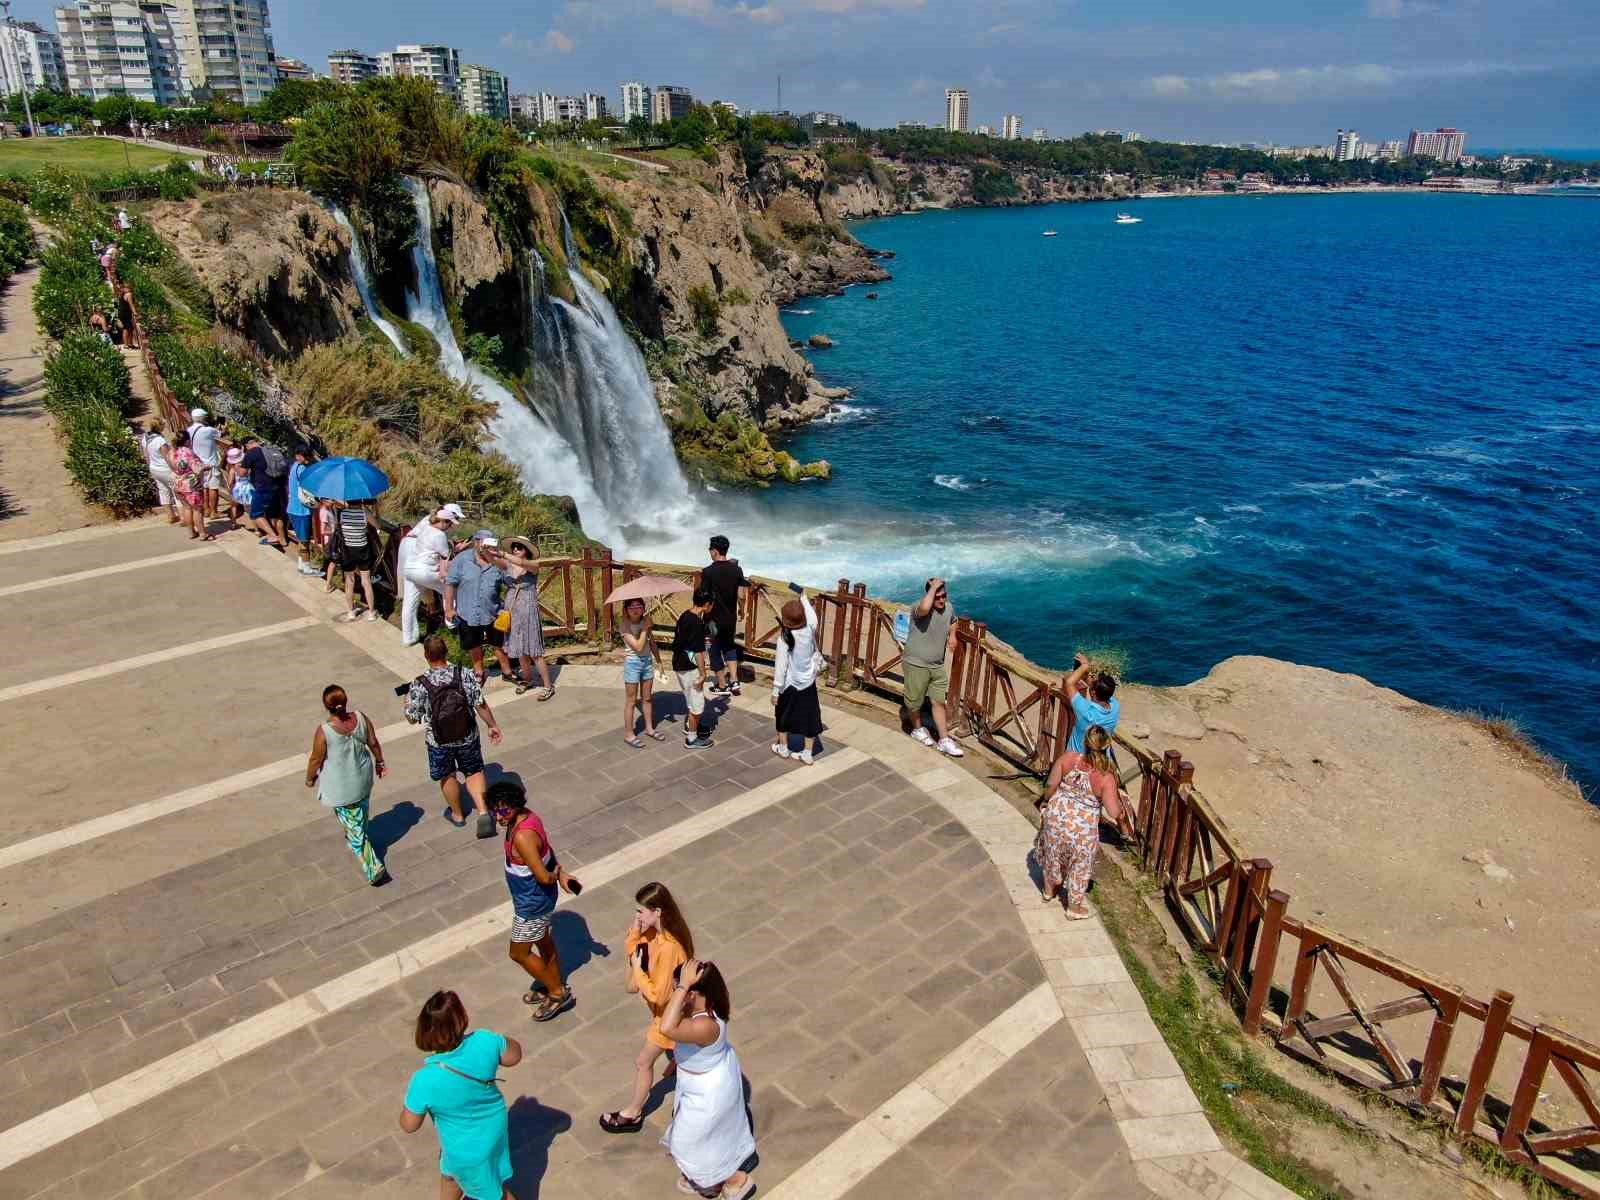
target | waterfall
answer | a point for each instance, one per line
(545, 461)
(363, 278)
(591, 384)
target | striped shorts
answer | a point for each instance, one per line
(530, 929)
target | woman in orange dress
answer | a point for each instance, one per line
(658, 943)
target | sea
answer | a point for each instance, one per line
(1360, 432)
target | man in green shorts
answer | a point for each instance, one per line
(928, 648)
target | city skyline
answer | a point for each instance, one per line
(1516, 75)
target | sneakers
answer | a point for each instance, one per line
(780, 749)
(306, 568)
(734, 689)
(698, 743)
(372, 614)
(921, 734)
(716, 689)
(948, 746)
(486, 825)
(805, 756)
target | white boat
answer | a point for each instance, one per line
(1128, 219)
(1048, 233)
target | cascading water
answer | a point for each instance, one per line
(592, 385)
(363, 278)
(545, 461)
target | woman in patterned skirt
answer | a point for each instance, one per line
(345, 758)
(1080, 785)
(525, 642)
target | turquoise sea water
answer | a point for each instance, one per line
(1360, 432)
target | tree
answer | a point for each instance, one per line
(639, 128)
(293, 97)
(345, 148)
(692, 130)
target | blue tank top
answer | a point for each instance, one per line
(529, 897)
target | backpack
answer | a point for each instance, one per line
(276, 461)
(449, 715)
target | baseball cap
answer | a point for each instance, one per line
(451, 512)
(486, 537)
(197, 413)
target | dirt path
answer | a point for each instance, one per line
(36, 494)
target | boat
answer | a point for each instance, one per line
(1128, 219)
(1048, 233)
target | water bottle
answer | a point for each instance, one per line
(902, 626)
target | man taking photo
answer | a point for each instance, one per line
(929, 645)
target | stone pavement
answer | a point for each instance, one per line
(199, 995)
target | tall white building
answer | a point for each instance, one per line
(123, 48)
(727, 106)
(1346, 145)
(635, 101)
(351, 66)
(1445, 143)
(955, 110)
(1011, 127)
(595, 107)
(1040, 134)
(230, 52)
(31, 60)
(984, 131)
(437, 63)
(485, 93)
(1388, 150)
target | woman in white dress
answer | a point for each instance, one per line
(709, 1137)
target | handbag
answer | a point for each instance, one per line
(502, 621)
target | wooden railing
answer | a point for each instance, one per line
(1356, 1012)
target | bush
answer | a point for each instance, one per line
(706, 309)
(53, 191)
(87, 390)
(16, 238)
(71, 286)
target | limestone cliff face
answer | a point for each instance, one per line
(897, 186)
(464, 230)
(274, 263)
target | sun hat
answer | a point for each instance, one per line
(520, 543)
(235, 455)
(792, 614)
(451, 512)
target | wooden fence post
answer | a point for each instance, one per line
(1266, 961)
(1494, 1032)
(607, 581)
(841, 606)
(591, 612)
(1253, 899)
(960, 664)
(858, 610)
(566, 591)
(1526, 1095)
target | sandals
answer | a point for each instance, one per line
(534, 993)
(545, 693)
(615, 1122)
(633, 743)
(1079, 914)
(552, 1007)
(458, 822)
(655, 735)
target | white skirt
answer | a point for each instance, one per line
(709, 1137)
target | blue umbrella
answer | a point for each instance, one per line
(344, 479)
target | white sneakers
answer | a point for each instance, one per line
(805, 756)
(781, 750)
(945, 745)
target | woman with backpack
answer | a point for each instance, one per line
(457, 1087)
(797, 711)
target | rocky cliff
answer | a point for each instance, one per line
(895, 186)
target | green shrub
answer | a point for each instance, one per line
(71, 286)
(16, 238)
(736, 297)
(706, 308)
(104, 461)
(84, 371)
(53, 190)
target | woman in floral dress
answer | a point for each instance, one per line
(1080, 785)
(189, 473)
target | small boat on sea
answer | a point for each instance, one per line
(1128, 219)
(1048, 233)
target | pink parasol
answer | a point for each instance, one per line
(648, 587)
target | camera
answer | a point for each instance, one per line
(402, 689)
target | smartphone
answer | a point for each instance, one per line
(644, 957)
(402, 689)
(574, 886)
(797, 588)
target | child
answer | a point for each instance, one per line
(239, 489)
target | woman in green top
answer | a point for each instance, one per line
(345, 756)
(457, 1087)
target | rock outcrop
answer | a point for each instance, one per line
(895, 186)
(274, 263)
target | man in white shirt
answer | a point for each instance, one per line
(424, 558)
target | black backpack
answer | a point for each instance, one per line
(449, 715)
(276, 463)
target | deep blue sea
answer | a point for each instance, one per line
(1360, 432)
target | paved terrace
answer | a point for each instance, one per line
(200, 996)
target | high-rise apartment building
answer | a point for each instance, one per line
(1011, 127)
(1388, 150)
(595, 107)
(1346, 145)
(984, 130)
(230, 54)
(1040, 134)
(668, 103)
(441, 65)
(123, 48)
(635, 101)
(485, 93)
(294, 68)
(351, 66)
(30, 59)
(525, 107)
(955, 110)
(1446, 144)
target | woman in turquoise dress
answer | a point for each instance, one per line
(457, 1087)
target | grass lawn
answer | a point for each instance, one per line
(90, 155)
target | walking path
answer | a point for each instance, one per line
(200, 996)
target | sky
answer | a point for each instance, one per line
(1512, 73)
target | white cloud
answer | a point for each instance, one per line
(921, 87)
(1169, 85)
(987, 78)
(850, 87)
(687, 8)
(1399, 10)
(1333, 81)
(852, 6)
(559, 42)
(765, 14)
(1003, 27)
(553, 41)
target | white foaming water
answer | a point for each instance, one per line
(544, 460)
(592, 386)
(954, 482)
(363, 278)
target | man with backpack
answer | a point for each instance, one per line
(447, 701)
(269, 489)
